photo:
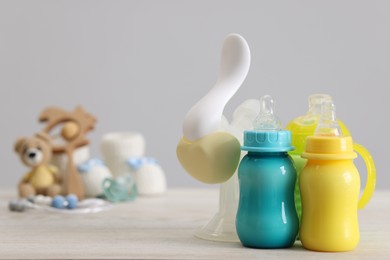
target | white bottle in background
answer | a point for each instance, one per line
(118, 147)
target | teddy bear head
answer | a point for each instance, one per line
(34, 151)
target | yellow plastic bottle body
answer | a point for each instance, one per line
(330, 193)
(299, 132)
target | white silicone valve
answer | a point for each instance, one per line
(205, 116)
(314, 112)
(316, 101)
(328, 125)
(267, 120)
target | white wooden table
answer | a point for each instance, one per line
(161, 228)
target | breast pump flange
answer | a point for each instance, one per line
(222, 227)
(203, 132)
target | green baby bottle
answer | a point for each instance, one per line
(302, 127)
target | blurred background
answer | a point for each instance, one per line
(141, 65)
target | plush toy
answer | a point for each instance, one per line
(36, 152)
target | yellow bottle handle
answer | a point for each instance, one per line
(371, 175)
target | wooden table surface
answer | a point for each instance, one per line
(161, 228)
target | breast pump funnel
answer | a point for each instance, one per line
(222, 227)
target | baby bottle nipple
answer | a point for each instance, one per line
(267, 120)
(315, 103)
(328, 125)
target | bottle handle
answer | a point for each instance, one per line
(371, 175)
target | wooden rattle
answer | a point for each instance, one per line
(76, 124)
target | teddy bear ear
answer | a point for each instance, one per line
(18, 144)
(44, 136)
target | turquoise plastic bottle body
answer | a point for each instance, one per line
(266, 216)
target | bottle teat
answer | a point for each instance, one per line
(314, 112)
(266, 119)
(328, 125)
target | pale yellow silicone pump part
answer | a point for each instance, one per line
(371, 175)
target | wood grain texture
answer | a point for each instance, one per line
(161, 228)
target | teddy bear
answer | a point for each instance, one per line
(36, 152)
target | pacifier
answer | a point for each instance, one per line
(122, 188)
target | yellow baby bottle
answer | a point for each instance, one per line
(330, 185)
(302, 127)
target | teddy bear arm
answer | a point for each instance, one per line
(54, 171)
(26, 177)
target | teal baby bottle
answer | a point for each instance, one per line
(266, 216)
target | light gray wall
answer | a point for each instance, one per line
(140, 65)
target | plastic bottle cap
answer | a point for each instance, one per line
(271, 141)
(304, 126)
(267, 136)
(329, 148)
(328, 141)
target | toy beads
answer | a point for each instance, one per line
(69, 202)
(40, 200)
(43, 202)
(19, 205)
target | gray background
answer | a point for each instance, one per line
(140, 65)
